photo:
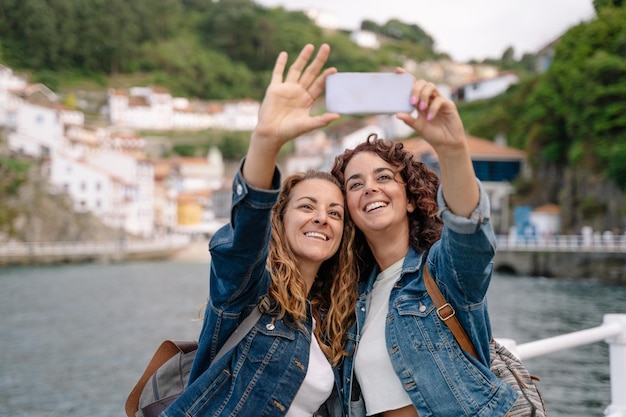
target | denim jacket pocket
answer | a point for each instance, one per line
(268, 340)
(419, 321)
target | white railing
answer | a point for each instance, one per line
(563, 243)
(612, 330)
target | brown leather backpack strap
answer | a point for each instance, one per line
(446, 312)
(165, 351)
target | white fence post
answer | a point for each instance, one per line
(617, 362)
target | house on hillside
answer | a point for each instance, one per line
(485, 88)
(154, 108)
(545, 56)
(8, 102)
(185, 189)
(115, 187)
(323, 18)
(39, 121)
(365, 39)
(138, 202)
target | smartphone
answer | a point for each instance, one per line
(368, 93)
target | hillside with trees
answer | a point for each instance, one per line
(571, 120)
(203, 49)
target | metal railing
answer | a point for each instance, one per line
(563, 243)
(168, 242)
(612, 330)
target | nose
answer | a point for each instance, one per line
(371, 188)
(320, 218)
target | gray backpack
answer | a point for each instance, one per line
(166, 376)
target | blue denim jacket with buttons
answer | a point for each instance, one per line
(263, 374)
(440, 378)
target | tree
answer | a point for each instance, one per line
(598, 4)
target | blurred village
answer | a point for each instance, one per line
(110, 170)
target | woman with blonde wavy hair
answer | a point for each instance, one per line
(290, 246)
(332, 295)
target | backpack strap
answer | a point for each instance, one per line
(242, 330)
(446, 312)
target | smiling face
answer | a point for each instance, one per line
(376, 196)
(313, 221)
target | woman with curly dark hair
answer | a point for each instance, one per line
(405, 360)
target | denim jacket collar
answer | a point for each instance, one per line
(412, 263)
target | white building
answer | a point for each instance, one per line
(8, 102)
(141, 108)
(116, 187)
(322, 18)
(152, 108)
(311, 152)
(486, 88)
(238, 115)
(365, 39)
(190, 174)
(38, 121)
(547, 220)
(38, 130)
(138, 175)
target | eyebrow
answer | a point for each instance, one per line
(376, 171)
(314, 200)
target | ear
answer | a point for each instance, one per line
(410, 207)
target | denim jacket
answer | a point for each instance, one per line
(261, 376)
(441, 379)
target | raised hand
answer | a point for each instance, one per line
(438, 120)
(285, 112)
(286, 109)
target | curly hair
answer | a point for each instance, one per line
(421, 185)
(334, 292)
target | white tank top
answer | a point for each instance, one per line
(317, 385)
(380, 385)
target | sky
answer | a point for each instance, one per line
(465, 29)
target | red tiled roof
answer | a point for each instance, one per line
(478, 147)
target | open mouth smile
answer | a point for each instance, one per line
(375, 205)
(316, 235)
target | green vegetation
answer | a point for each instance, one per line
(570, 120)
(575, 114)
(203, 49)
(13, 174)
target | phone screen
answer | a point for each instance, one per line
(368, 93)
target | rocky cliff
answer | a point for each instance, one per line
(36, 212)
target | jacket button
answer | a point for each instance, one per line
(239, 189)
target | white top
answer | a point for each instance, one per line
(317, 385)
(380, 385)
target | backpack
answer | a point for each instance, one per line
(167, 373)
(504, 364)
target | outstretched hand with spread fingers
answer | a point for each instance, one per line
(286, 109)
(285, 112)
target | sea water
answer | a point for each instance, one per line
(74, 339)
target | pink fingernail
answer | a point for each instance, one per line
(413, 100)
(422, 105)
(429, 117)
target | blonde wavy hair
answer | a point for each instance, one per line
(333, 294)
